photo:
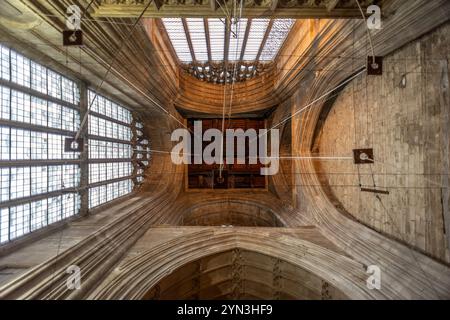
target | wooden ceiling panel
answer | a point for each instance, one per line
(251, 9)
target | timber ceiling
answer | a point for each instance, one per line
(297, 9)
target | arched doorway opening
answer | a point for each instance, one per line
(242, 275)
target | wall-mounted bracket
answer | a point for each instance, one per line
(363, 156)
(220, 180)
(72, 145)
(374, 68)
(72, 38)
(374, 191)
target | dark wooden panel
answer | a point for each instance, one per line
(204, 176)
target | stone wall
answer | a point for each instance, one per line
(407, 125)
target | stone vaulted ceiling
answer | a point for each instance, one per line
(128, 250)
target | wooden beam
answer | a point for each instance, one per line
(188, 37)
(274, 5)
(133, 11)
(264, 40)
(244, 43)
(213, 5)
(208, 40)
(227, 41)
(331, 5)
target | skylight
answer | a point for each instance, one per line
(196, 29)
(177, 35)
(236, 39)
(216, 38)
(275, 40)
(257, 31)
(201, 40)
